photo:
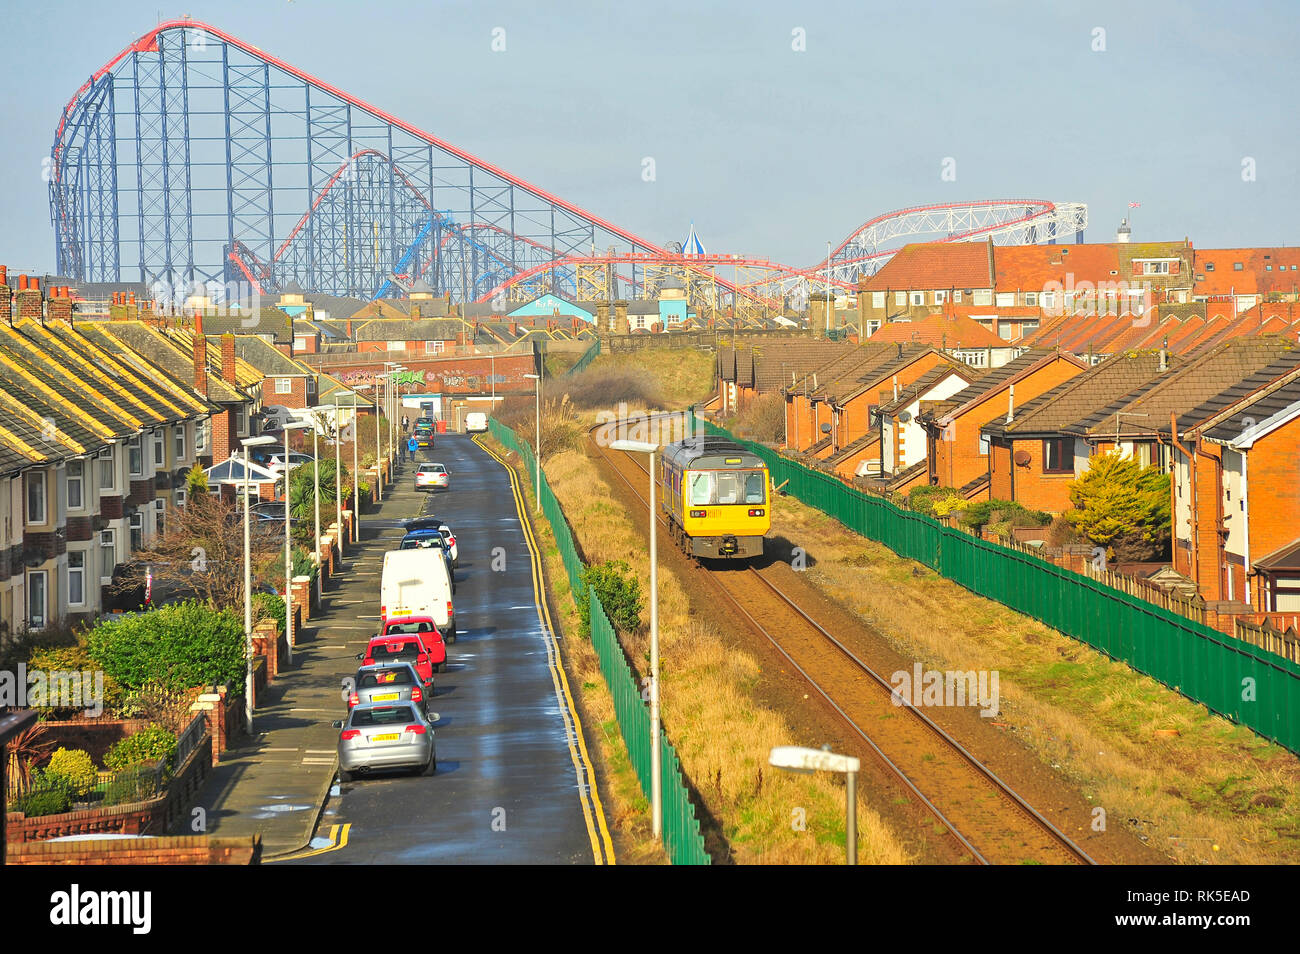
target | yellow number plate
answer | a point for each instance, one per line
(384, 696)
(387, 737)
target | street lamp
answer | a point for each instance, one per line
(288, 544)
(537, 446)
(797, 758)
(656, 797)
(248, 442)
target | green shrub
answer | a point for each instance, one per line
(75, 767)
(922, 499)
(50, 795)
(151, 744)
(75, 659)
(180, 646)
(303, 565)
(135, 784)
(619, 592)
(269, 606)
(988, 512)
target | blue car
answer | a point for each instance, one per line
(430, 537)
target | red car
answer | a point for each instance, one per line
(427, 630)
(403, 647)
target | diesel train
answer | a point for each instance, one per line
(717, 498)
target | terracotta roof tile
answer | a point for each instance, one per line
(940, 331)
(934, 265)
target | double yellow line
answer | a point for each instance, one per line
(602, 846)
(338, 837)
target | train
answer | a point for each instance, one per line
(716, 497)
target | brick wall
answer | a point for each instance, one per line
(222, 426)
(186, 850)
(1028, 485)
(111, 507)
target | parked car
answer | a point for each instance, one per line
(401, 647)
(436, 523)
(295, 459)
(418, 583)
(427, 630)
(475, 422)
(423, 436)
(431, 539)
(389, 682)
(432, 477)
(385, 736)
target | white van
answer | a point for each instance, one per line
(416, 583)
(475, 421)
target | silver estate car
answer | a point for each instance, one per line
(392, 682)
(386, 736)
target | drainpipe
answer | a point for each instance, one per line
(1191, 498)
(1245, 523)
(1011, 403)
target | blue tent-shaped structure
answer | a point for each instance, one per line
(693, 245)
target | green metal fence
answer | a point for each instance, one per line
(1242, 682)
(588, 356)
(681, 829)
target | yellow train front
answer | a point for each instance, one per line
(716, 496)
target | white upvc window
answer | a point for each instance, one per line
(76, 577)
(1049, 299)
(1031, 298)
(283, 386)
(135, 456)
(918, 298)
(1005, 299)
(179, 446)
(107, 469)
(434, 347)
(940, 297)
(38, 598)
(107, 555)
(179, 496)
(900, 298)
(397, 346)
(877, 299)
(159, 513)
(956, 295)
(982, 296)
(241, 421)
(76, 484)
(160, 448)
(201, 435)
(37, 505)
(137, 531)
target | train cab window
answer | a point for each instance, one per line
(754, 487)
(702, 490)
(728, 488)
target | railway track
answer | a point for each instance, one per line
(985, 818)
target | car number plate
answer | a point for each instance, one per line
(386, 737)
(384, 696)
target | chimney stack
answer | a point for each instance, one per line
(29, 297)
(621, 324)
(228, 358)
(200, 357)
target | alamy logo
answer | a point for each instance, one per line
(75, 907)
(947, 688)
(58, 688)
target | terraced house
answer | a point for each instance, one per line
(96, 444)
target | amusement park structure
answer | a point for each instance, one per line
(194, 159)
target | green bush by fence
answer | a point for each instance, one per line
(681, 829)
(1241, 682)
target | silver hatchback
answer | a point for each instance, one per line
(386, 736)
(392, 682)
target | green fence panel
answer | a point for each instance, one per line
(681, 828)
(1231, 677)
(588, 356)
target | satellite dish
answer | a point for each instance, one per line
(826, 428)
(904, 416)
(1021, 458)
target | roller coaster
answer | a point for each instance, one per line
(195, 159)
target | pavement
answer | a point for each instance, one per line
(277, 782)
(513, 782)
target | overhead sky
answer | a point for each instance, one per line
(776, 126)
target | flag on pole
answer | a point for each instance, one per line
(1134, 205)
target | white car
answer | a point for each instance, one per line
(432, 477)
(295, 459)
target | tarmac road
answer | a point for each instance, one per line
(507, 787)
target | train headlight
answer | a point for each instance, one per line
(699, 513)
(757, 512)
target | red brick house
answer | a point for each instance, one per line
(956, 451)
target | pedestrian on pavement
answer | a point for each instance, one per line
(412, 445)
(406, 424)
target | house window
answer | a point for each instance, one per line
(984, 444)
(956, 297)
(918, 298)
(179, 497)
(872, 327)
(135, 457)
(1058, 455)
(311, 385)
(158, 516)
(159, 448)
(137, 531)
(940, 297)
(1005, 299)
(983, 296)
(900, 299)
(1031, 298)
(397, 346)
(180, 442)
(283, 386)
(76, 577)
(106, 475)
(1236, 266)
(434, 347)
(1268, 268)
(107, 555)
(201, 435)
(1209, 266)
(1049, 299)
(877, 299)
(241, 421)
(36, 497)
(76, 484)
(37, 596)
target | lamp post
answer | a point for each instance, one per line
(537, 445)
(656, 769)
(248, 442)
(796, 758)
(288, 544)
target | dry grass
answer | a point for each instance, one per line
(1215, 793)
(721, 734)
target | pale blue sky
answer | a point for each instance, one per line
(772, 152)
